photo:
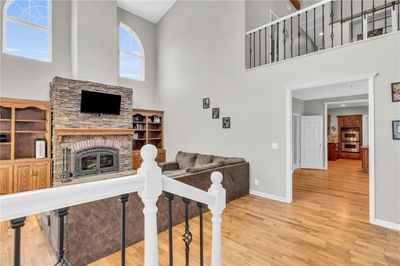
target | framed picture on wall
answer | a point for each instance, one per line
(206, 103)
(396, 129)
(226, 122)
(396, 92)
(215, 113)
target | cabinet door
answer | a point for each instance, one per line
(6, 178)
(42, 174)
(161, 156)
(137, 160)
(24, 179)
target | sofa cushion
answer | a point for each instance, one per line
(200, 168)
(185, 159)
(175, 173)
(221, 161)
(203, 159)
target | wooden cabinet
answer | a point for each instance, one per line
(137, 160)
(31, 175)
(42, 172)
(22, 123)
(364, 159)
(148, 127)
(350, 121)
(333, 151)
(6, 178)
(23, 177)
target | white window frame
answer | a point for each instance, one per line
(47, 29)
(137, 55)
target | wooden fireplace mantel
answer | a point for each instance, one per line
(60, 132)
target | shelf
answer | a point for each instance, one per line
(137, 122)
(154, 123)
(155, 130)
(30, 131)
(139, 139)
(154, 138)
(5, 120)
(5, 143)
(30, 121)
(92, 131)
(5, 132)
(140, 129)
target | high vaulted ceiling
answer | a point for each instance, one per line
(151, 10)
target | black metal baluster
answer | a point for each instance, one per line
(362, 19)
(291, 37)
(398, 14)
(341, 22)
(16, 224)
(373, 15)
(323, 26)
(201, 207)
(250, 49)
(170, 197)
(272, 44)
(187, 236)
(265, 47)
(351, 20)
(332, 24)
(254, 49)
(307, 32)
(259, 47)
(385, 18)
(298, 34)
(123, 199)
(315, 40)
(277, 42)
(61, 213)
(284, 39)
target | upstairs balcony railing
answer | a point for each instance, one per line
(324, 25)
(149, 183)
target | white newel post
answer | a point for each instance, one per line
(216, 209)
(150, 193)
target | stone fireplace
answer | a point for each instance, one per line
(89, 144)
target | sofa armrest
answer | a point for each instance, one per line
(169, 166)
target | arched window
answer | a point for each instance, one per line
(27, 29)
(131, 54)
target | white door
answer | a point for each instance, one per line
(311, 142)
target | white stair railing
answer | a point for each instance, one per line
(149, 183)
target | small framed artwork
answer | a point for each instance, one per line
(206, 103)
(396, 129)
(396, 92)
(215, 113)
(226, 122)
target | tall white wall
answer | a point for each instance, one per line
(201, 54)
(85, 46)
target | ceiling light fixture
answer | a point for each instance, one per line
(343, 105)
(321, 33)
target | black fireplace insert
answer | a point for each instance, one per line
(97, 160)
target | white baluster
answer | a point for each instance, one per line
(150, 193)
(365, 26)
(216, 209)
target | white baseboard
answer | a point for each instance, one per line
(268, 196)
(386, 224)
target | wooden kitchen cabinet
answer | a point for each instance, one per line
(350, 121)
(6, 179)
(333, 151)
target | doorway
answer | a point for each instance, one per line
(335, 88)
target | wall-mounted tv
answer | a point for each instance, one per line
(100, 103)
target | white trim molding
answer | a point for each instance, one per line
(370, 77)
(386, 224)
(268, 196)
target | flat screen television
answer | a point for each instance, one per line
(100, 103)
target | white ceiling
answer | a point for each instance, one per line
(151, 10)
(332, 91)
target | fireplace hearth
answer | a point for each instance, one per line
(93, 161)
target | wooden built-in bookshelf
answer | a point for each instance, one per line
(22, 122)
(148, 127)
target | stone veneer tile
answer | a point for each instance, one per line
(65, 97)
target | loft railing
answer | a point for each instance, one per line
(324, 25)
(149, 183)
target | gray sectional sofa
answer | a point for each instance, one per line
(92, 229)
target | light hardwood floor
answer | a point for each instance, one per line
(327, 224)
